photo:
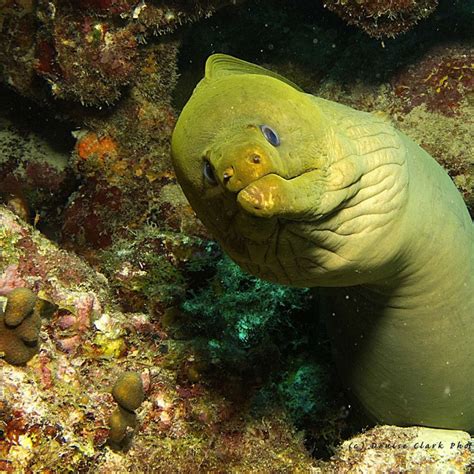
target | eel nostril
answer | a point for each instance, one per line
(255, 159)
(228, 173)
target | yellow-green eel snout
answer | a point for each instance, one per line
(248, 169)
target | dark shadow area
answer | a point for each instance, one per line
(29, 117)
(315, 40)
(36, 178)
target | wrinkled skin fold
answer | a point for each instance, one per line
(302, 191)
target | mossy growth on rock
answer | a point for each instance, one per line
(146, 269)
(20, 324)
(129, 394)
(302, 389)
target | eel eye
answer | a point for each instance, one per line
(208, 173)
(270, 135)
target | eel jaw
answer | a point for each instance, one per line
(262, 198)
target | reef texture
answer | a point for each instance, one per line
(78, 58)
(87, 50)
(56, 411)
(35, 175)
(382, 18)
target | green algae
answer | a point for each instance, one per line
(238, 311)
(304, 391)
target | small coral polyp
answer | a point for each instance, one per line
(20, 324)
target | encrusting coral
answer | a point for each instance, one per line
(81, 49)
(20, 324)
(129, 394)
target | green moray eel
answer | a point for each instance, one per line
(303, 191)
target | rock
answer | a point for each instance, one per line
(394, 449)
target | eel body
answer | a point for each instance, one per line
(303, 191)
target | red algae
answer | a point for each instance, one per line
(440, 80)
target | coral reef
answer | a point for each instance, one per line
(20, 325)
(147, 268)
(86, 51)
(124, 159)
(440, 80)
(79, 58)
(60, 415)
(382, 18)
(35, 175)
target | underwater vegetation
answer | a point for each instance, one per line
(238, 311)
(263, 332)
(148, 268)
